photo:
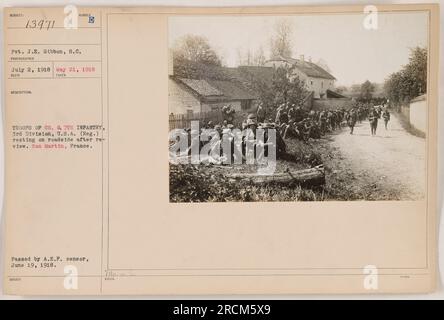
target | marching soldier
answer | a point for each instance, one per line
(386, 117)
(351, 118)
(373, 118)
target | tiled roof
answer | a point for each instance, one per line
(264, 74)
(334, 94)
(309, 68)
(201, 87)
(215, 90)
(232, 89)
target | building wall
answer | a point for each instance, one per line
(405, 111)
(319, 86)
(218, 106)
(418, 115)
(303, 77)
(332, 103)
(181, 100)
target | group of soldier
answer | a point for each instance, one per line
(248, 126)
(293, 121)
(360, 112)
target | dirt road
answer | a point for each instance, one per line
(388, 166)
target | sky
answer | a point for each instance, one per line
(353, 53)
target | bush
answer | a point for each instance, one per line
(189, 183)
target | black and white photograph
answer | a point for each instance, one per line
(221, 150)
(298, 108)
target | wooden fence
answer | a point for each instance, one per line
(182, 121)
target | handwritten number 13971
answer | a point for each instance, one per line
(40, 24)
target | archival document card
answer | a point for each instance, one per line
(268, 150)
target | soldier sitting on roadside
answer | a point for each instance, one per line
(260, 113)
(228, 113)
(279, 110)
(209, 125)
(323, 122)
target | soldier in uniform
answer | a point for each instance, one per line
(260, 113)
(312, 115)
(329, 123)
(250, 136)
(279, 110)
(315, 133)
(298, 114)
(291, 113)
(373, 118)
(283, 116)
(323, 121)
(218, 129)
(228, 113)
(351, 118)
(386, 117)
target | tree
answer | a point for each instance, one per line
(410, 81)
(280, 42)
(417, 69)
(367, 90)
(195, 49)
(244, 58)
(259, 57)
(285, 87)
(355, 90)
(251, 57)
(341, 89)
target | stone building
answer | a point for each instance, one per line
(187, 96)
(316, 79)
